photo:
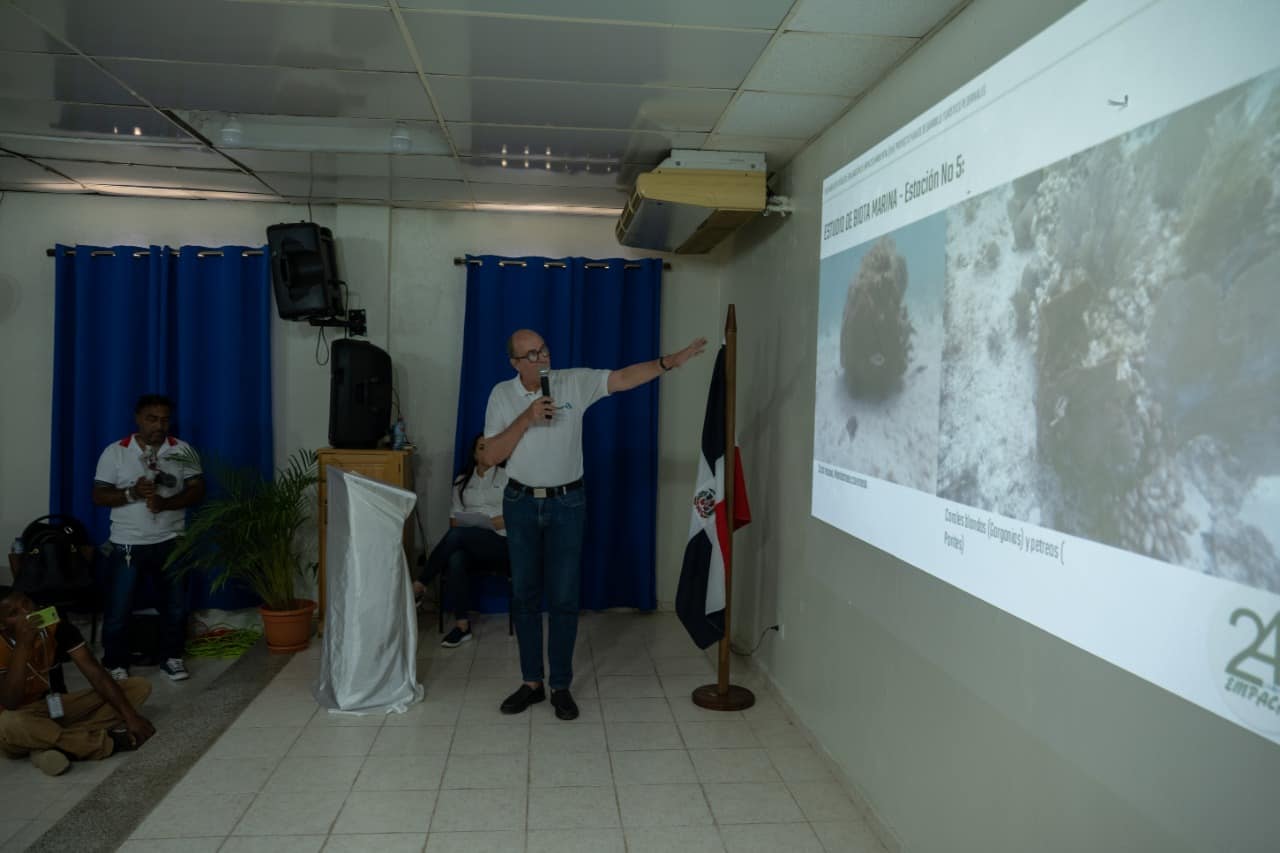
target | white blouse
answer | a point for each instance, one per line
(483, 494)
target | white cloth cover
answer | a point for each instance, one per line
(370, 628)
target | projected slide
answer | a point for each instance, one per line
(1048, 356)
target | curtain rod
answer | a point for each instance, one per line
(557, 265)
(142, 253)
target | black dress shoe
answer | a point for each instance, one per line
(522, 699)
(566, 708)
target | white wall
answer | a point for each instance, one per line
(399, 267)
(964, 728)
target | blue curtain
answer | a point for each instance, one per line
(592, 313)
(131, 321)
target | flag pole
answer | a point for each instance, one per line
(723, 696)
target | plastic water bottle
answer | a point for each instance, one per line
(398, 440)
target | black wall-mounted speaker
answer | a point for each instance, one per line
(304, 271)
(359, 394)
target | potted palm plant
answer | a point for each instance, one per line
(248, 532)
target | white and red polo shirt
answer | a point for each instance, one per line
(125, 462)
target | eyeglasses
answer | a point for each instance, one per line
(536, 354)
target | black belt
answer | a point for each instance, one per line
(546, 491)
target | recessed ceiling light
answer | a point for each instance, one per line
(504, 162)
(504, 148)
(401, 141)
(137, 131)
(232, 133)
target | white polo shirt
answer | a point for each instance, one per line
(483, 494)
(548, 454)
(122, 464)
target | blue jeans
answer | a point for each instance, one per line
(544, 536)
(122, 580)
(464, 550)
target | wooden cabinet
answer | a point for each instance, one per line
(393, 467)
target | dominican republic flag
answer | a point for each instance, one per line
(700, 595)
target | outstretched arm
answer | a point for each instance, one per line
(626, 378)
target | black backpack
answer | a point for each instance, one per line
(54, 566)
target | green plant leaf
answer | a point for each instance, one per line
(248, 530)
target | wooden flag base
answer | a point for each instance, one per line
(734, 699)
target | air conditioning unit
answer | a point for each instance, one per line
(693, 200)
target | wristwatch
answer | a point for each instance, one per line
(130, 496)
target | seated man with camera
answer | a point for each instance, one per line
(148, 479)
(50, 726)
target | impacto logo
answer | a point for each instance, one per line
(1246, 660)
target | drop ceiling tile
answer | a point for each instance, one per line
(50, 118)
(584, 52)
(355, 165)
(230, 32)
(277, 91)
(578, 104)
(15, 170)
(872, 17)
(298, 162)
(491, 170)
(758, 14)
(421, 190)
(187, 156)
(55, 77)
(119, 174)
(789, 116)
(18, 32)
(425, 166)
(47, 187)
(524, 194)
(777, 152)
(569, 143)
(318, 187)
(315, 133)
(824, 63)
(382, 4)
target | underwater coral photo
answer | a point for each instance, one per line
(879, 350)
(1112, 368)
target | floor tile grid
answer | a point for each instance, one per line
(593, 645)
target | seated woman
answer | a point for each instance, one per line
(476, 541)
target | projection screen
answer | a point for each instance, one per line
(1048, 354)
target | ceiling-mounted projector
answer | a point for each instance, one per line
(693, 200)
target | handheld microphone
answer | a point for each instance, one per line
(545, 375)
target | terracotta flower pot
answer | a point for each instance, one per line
(288, 631)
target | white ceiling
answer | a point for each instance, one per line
(506, 102)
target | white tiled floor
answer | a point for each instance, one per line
(32, 802)
(643, 769)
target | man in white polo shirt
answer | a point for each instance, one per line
(540, 438)
(148, 478)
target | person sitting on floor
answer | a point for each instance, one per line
(477, 539)
(56, 728)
